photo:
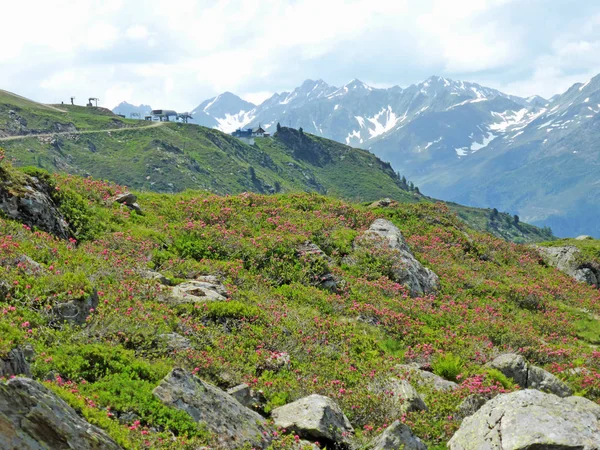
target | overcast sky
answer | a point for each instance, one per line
(176, 54)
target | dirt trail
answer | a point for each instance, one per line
(58, 133)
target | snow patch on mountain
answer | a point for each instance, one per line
(389, 120)
(232, 122)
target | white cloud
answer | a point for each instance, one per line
(153, 52)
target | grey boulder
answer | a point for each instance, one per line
(425, 378)
(530, 419)
(33, 418)
(194, 291)
(233, 424)
(408, 271)
(397, 436)
(569, 260)
(399, 396)
(529, 376)
(315, 417)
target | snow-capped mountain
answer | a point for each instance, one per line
(227, 112)
(127, 109)
(456, 140)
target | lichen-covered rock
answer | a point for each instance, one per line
(75, 311)
(425, 378)
(315, 417)
(32, 205)
(194, 291)
(233, 424)
(399, 394)
(529, 376)
(33, 418)
(531, 419)
(15, 363)
(397, 436)
(410, 272)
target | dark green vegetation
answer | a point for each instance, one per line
(494, 297)
(500, 224)
(172, 157)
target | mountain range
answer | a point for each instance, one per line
(459, 141)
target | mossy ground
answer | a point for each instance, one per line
(495, 297)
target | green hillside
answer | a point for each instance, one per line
(173, 157)
(494, 297)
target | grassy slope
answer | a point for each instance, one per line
(43, 118)
(495, 297)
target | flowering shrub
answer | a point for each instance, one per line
(280, 331)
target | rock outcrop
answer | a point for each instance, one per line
(75, 311)
(31, 203)
(570, 261)
(33, 418)
(528, 376)
(315, 418)
(470, 405)
(396, 436)
(408, 271)
(531, 419)
(233, 424)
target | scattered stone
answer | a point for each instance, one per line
(401, 396)
(29, 267)
(126, 198)
(193, 291)
(33, 418)
(583, 237)
(529, 376)
(148, 274)
(233, 424)
(410, 272)
(16, 362)
(275, 362)
(75, 311)
(248, 397)
(326, 280)
(470, 405)
(397, 436)
(175, 342)
(530, 419)
(316, 418)
(384, 203)
(425, 378)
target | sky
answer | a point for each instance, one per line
(174, 55)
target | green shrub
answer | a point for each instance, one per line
(232, 310)
(448, 366)
(498, 376)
